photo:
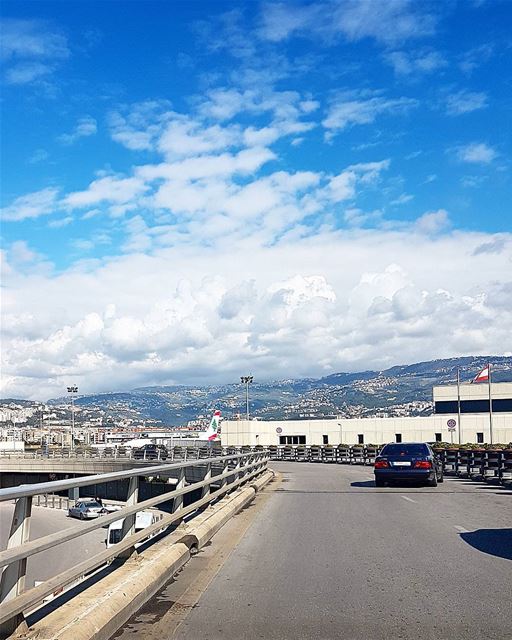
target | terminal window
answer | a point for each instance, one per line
(439, 437)
(479, 437)
(325, 439)
(499, 405)
(292, 439)
(360, 438)
(398, 437)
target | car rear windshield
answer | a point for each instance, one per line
(404, 450)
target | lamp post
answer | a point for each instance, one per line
(72, 392)
(341, 432)
(247, 381)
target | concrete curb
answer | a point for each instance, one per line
(101, 609)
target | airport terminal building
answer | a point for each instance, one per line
(464, 418)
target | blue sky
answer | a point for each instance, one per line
(194, 189)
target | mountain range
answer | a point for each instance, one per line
(399, 390)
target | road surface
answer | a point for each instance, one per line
(329, 556)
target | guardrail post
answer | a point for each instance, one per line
(73, 494)
(207, 476)
(128, 527)
(12, 583)
(178, 501)
(237, 469)
(225, 469)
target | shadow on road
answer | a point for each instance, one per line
(496, 542)
(367, 483)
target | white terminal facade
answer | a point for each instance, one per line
(474, 424)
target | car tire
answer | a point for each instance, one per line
(81, 516)
(433, 482)
(380, 483)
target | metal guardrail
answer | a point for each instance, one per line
(338, 454)
(177, 452)
(484, 464)
(225, 472)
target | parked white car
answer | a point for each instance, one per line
(86, 509)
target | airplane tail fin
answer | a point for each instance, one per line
(212, 434)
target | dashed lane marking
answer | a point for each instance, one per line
(408, 499)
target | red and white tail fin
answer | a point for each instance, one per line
(212, 434)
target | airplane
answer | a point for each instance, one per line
(212, 434)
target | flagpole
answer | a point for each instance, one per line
(490, 403)
(458, 402)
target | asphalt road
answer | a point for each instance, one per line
(330, 556)
(52, 562)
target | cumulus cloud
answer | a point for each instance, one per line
(476, 153)
(340, 300)
(110, 189)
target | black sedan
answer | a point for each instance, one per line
(413, 461)
(150, 452)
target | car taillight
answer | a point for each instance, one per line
(381, 464)
(423, 464)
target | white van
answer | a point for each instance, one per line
(143, 519)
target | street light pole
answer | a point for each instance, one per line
(247, 381)
(72, 391)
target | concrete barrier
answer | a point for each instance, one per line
(101, 609)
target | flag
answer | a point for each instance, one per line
(483, 376)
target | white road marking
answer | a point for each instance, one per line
(409, 499)
(460, 529)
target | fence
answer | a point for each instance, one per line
(178, 452)
(221, 474)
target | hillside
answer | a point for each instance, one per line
(399, 390)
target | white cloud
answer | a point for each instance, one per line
(337, 301)
(19, 252)
(386, 22)
(139, 126)
(27, 72)
(476, 57)
(185, 137)
(433, 222)
(60, 222)
(343, 186)
(407, 63)
(476, 153)
(85, 127)
(30, 50)
(31, 205)
(110, 189)
(465, 102)
(403, 198)
(348, 111)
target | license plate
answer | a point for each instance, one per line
(401, 464)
